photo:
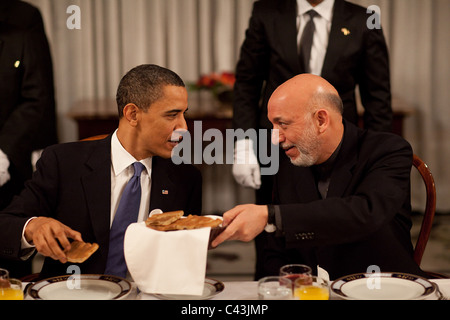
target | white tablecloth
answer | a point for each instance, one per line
(247, 290)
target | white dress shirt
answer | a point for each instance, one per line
(121, 172)
(321, 35)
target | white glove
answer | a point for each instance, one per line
(246, 169)
(4, 165)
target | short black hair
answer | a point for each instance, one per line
(143, 85)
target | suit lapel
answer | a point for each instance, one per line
(337, 39)
(163, 190)
(97, 188)
(285, 26)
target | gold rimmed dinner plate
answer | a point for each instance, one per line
(383, 286)
(80, 287)
(212, 287)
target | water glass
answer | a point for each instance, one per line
(274, 288)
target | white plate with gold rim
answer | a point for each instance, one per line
(80, 287)
(383, 286)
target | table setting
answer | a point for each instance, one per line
(166, 260)
(388, 286)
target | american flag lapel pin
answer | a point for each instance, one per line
(165, 192)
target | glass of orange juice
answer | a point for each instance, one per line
(11, 290)
(311, 288)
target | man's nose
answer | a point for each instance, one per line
(182, 125)
(276, 136)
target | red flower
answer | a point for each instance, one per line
(214, 81)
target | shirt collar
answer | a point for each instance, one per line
(324, 169)
(325, 8)
(122, 159)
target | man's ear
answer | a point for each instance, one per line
(131, 113)
(322, 119)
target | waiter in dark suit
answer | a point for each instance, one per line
(27, 108)
(341, 196)
(27, 105)
(341, 49)
(76, 190)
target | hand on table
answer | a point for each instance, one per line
(243, 222)
(50, 237)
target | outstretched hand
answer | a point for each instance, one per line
(50, 237)
(243, 222)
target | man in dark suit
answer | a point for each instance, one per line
(342, 201)
(77, 186)
(344, 51)
(27, 110)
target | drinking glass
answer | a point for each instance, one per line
(311, 288)
(4, 274)
(11, 291)
(294, 271)
(4, 278)
(274, 288)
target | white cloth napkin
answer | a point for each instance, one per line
(172, 262)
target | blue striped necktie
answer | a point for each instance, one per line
(126, 213)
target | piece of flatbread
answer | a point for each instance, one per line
(80, 251)
(188, 223)
(164, 219)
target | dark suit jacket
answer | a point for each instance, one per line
(27, 106)
(269, 56)
(365, 218)
(73, 185)
(28, 18)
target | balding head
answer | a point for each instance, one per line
(308, 91)
(307, 111)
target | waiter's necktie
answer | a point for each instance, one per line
(127, 213)
(306, 41)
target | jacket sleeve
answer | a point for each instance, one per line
(374, 82)
(251, 71)
(37, 199)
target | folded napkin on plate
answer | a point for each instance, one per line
(172, 262)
